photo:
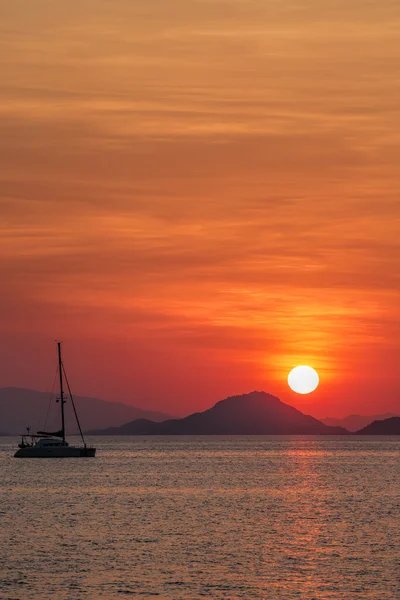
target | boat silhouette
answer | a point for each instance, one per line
(46, 444)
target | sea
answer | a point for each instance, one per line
(264, 517)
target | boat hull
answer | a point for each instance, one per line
(54, 452)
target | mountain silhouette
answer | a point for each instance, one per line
(355, 422)
(257, 413)
(21, 407)
(386, 427)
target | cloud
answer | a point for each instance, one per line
(195, 175)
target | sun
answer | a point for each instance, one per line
(303, 379)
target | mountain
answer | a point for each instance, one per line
(257, 413)
(356, 422)
(21, 407)
(386, 427)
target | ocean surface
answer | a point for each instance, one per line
(204, 517)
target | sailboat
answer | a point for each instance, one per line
(54, 444)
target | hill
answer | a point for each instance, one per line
(386, 427)
(257, 413)
(20, 407)
(355, 422)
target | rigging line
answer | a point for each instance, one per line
(50, 400)
(73, 405)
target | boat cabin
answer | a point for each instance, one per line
(46, 442)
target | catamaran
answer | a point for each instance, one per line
(54, 444)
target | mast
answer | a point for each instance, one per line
(61, 399)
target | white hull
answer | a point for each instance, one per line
(55, 452)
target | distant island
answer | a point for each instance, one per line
(386, 427)
(257, 413)
(20, 407)
(356, 422)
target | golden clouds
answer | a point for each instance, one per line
(204, 172)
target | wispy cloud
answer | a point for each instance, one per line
(219, 177)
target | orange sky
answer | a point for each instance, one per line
(198, 195)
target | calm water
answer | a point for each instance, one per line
(263, 517)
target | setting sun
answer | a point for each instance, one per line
(303, 379)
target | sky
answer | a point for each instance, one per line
(198, 195)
